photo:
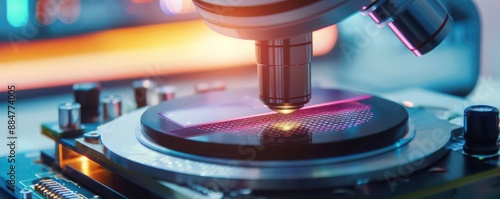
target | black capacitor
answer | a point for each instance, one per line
(142, 90)
(87, 94)
(481, 130)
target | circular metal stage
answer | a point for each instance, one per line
(340, 138)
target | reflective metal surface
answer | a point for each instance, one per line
(284, 70)
(87, 95)
(355, 62)
(230, 125)
(233, 105)
(111, 107)
(143, 91)
(264, 19)
(257, 163)
(481, 130)
(69, 116)
(425, 148)
(420, 25)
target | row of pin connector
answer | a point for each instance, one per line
(54, 190)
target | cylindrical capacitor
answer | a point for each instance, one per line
(111, 107)
(26, 194)
(69, 116)
(142, 90)
(166, 93)
(481, 130)
(87, 94)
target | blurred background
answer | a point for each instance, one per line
(48, 45)
(51, 43)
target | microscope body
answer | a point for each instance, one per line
(282, 31)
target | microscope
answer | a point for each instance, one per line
(283, 40)
(227, 144)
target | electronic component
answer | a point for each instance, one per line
(57, 189)
(481, 130)
(69, 116)
(26, 194)
(142, 92)
(87, 95)
(111, 107)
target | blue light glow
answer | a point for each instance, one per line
(17, 12)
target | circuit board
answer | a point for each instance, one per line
(35, 178)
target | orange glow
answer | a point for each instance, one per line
(130, 53)
(324, 40)
(85, 165)
(286, 126)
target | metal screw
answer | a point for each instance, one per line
(92, 137)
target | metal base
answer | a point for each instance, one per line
(427, 146)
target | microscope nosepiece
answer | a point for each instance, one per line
(284, 70)
(420, 24)
(282, 31)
